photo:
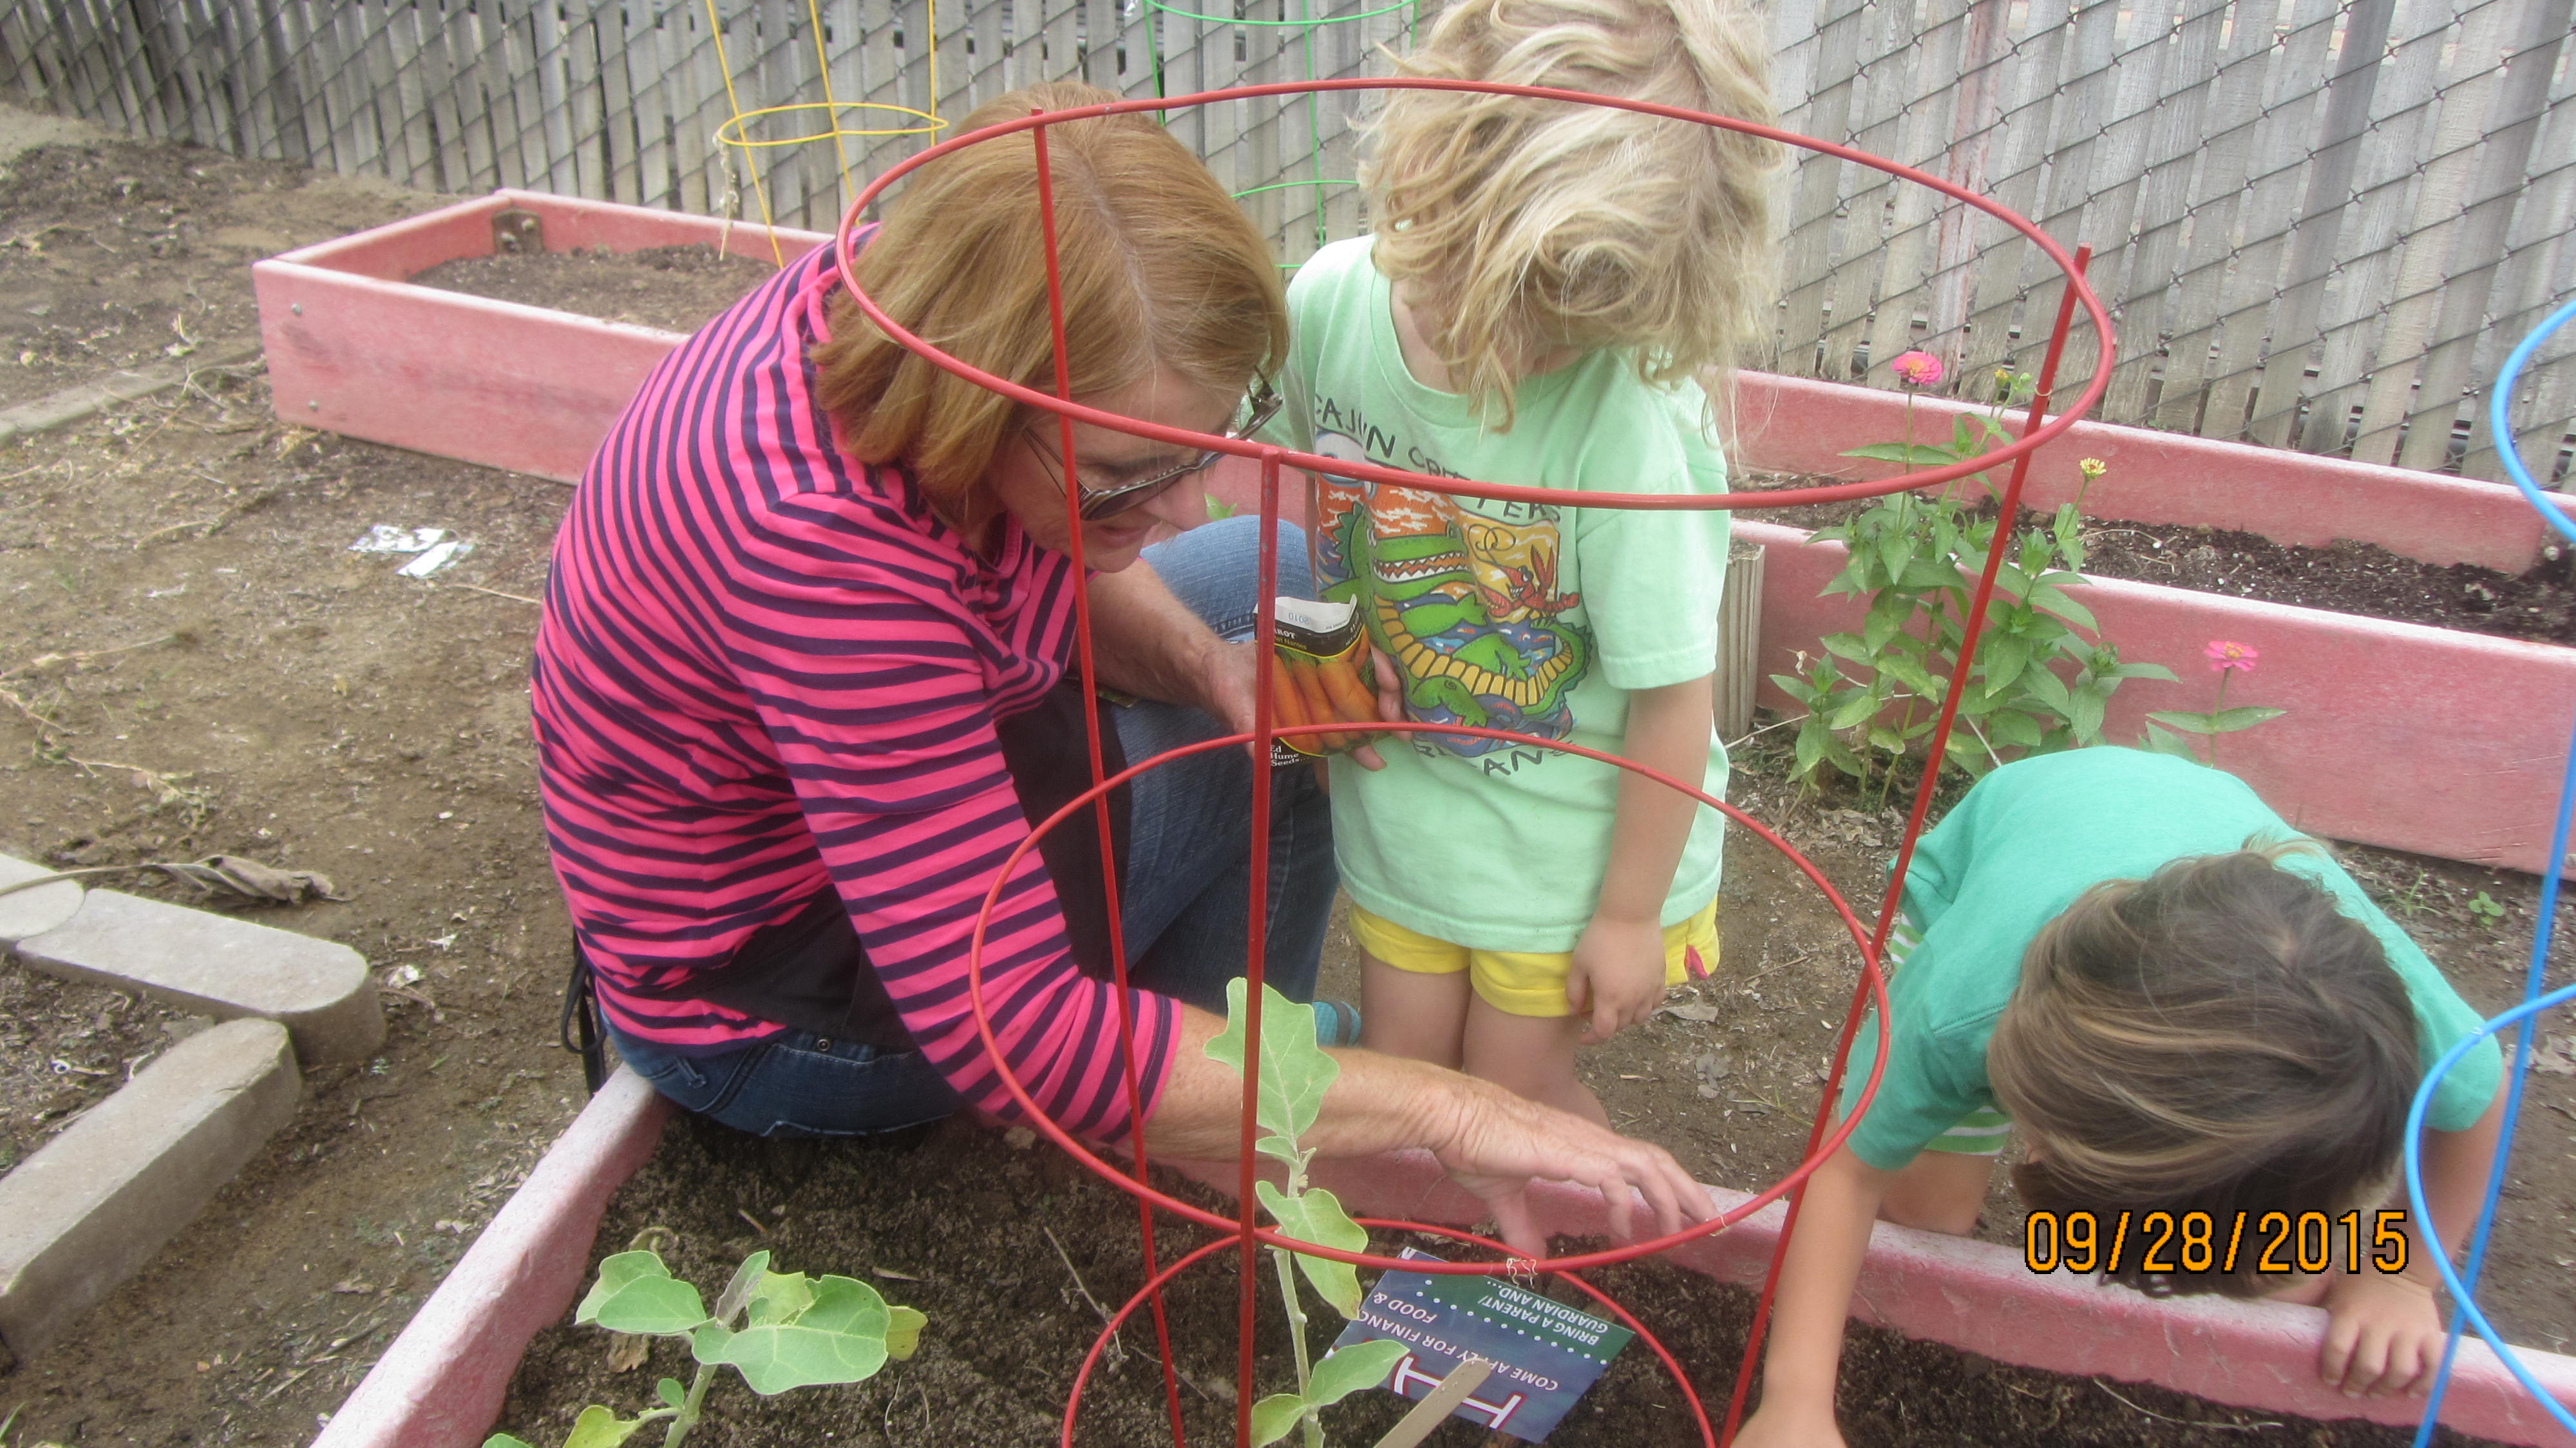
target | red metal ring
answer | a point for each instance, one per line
(1038, 1119)
(843, 255)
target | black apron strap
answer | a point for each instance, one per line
(578, 1030)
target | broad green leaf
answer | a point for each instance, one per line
(729, 1303)
(1316, 1216)
(1921, 576)
(2158, 741)
(2084, 712)
(1295, 1072)
(1852, 711)
(2014, 727)
(1848, 646)
(1795, 687)
(2187, 723)
(839, 1339)
(1840, 756)
(1810, 746)
(645, 1299)
(1274, 1416)
(2046, 687)
(670, 1392)
(614, 1275)
(2005, 657)
(599, 1428)
(1912, 675)
(1894, 552)
(2054, 599)
(2144, 671)
(707, 1344)
(503, 1440)
(1884, 738)
(1353, 1369)
(2228, 721)
(1884, 622)
(779, 1298)
(903, 1332)
(1920, 455)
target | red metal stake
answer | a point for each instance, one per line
(1972, 628)
(1263, 720)
(1091, 737)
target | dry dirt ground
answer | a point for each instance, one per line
(194, 662)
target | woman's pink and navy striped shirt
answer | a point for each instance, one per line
(765, 670)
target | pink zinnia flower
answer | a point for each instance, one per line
(1916, 369)
(2226, 657)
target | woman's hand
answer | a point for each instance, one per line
(1228, 675)
(1496, 1142)
(1617, 975)
(2383, 1335)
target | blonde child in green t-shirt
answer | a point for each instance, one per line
(1548, 285)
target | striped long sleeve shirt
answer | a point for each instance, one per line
(766, 669)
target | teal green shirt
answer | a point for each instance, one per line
(1538, 618)
(2027, 840)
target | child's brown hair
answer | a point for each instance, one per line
(2216, 1038)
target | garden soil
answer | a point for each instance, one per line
(192, 661)
(673, 288)
(1010, 1251)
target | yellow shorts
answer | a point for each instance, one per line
(1522, 982)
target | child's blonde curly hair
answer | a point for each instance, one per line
(1518, 226)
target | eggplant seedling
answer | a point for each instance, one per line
(796, 1332)
(1295, 1073)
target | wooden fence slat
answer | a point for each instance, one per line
(2482, 236)
(2422, 136)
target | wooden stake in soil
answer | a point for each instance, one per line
(1434, 1410)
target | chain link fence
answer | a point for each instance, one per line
(2320, 223)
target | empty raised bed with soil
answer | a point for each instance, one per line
(670, 288)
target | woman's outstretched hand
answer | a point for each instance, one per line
(1497, 1143)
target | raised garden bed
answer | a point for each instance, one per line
(950, 1225)
(355, 347)
(2453, 733)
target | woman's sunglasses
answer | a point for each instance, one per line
(1108, 502)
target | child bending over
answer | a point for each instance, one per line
(2131, 963)
(1547, 286)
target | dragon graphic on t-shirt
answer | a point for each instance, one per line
(1467, 606)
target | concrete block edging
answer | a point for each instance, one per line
(440, 1384)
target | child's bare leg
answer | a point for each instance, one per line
(1407, 1013)
(1532, 1056)
(1938, 1191)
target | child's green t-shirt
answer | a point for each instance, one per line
(2023, 844)
(1535, 618)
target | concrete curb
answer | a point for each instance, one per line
(441, 1383)
(96, 1203)
(72, 404)
(34, 911)
(2398, 735)
(1978, 1297)
(219, 966)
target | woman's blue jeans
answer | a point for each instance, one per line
(1186, 908)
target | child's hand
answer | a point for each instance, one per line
(1617, 976)
(2383, 1335)
(1787, 1427)
(1390, 704)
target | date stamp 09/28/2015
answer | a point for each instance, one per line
(2086, 1242)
